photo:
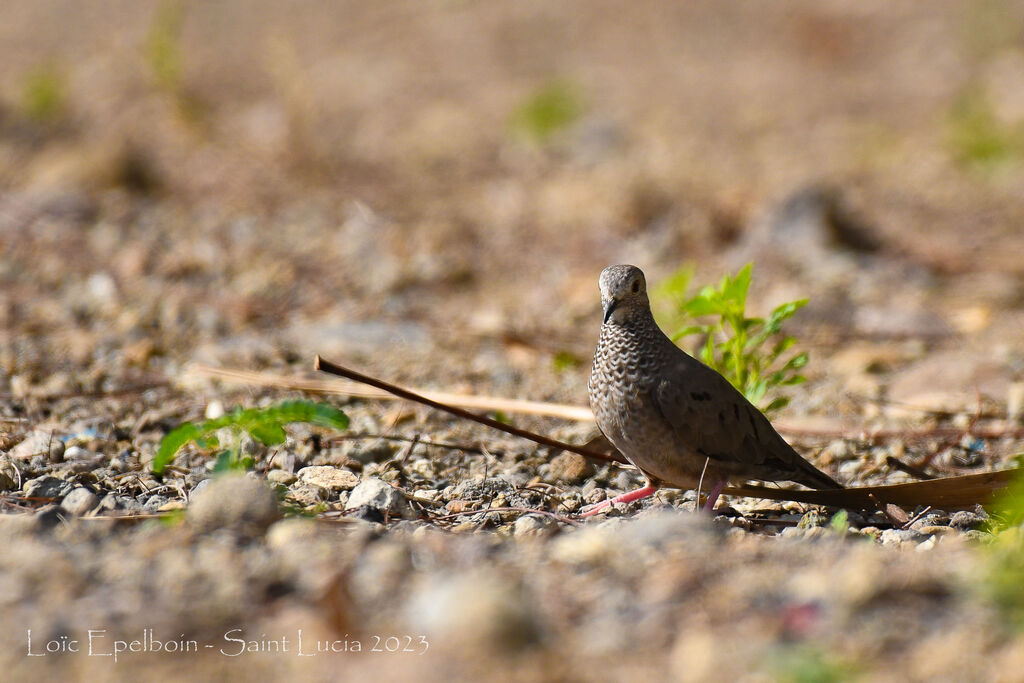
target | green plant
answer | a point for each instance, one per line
(553, 107)
(976, 136)
(840, 522)
(1003, 568)
(44, 93)
(809, 664)
(164, 56)
(163, 45)
(265, 425)
(747, 351)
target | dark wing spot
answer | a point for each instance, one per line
(700, 396)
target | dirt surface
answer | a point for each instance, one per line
(245, 185)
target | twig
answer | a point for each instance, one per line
(913, 471)
(333, 369)
(916, 517)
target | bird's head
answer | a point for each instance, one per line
(623, 293)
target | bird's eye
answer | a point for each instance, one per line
(636, 286)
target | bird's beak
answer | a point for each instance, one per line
(609, 307)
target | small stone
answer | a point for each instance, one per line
(966, 520)
(428, 496)
(380, 496)
(121, 462)
(10, 478)
(306, 495)
(288, 531)
(329, 478)
(46, 487)
(373, 452)
(48, 517)
(201, 486)
(926, 545)
(57, 451)
(236, 502)
(38, 442)
(979, 536)
(281, 477)
(475, 610)
(571, 468)
(81, 460)
(898, 537)
(533, 525)
(457, 506)
(839, 450)
(80, 501)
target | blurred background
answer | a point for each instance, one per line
(427, 190)
(329, 176)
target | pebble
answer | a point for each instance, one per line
(80, 460)
(120, 462)
(9, 475)
(534, 525)
(473, 610)
(38, 442)
(237, 502)
(373, 452)
(281, 477)
(306, 495)
(329, 478)
(898, 537)
(46, 487)
(966, 520)
(571, 468)
(80, 501)
(288, 531)
(379, 495)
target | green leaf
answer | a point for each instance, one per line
(701, 305)
(268, 433)
(172, 443)
(796, 362)
(691, 329)
(840, 522)
(777, 403)
(735, 289)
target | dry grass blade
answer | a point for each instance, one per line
(360, 390)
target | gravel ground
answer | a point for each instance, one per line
(301, 184)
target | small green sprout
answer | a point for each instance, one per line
(265, 425)
(552, 108)
(747, 351)
(44, 93)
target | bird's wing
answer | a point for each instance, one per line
(710, 416)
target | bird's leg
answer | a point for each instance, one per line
(627, 497)
(713, 494)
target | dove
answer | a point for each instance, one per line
(674, 418)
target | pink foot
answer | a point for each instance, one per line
(713, 494)
(628, 497)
